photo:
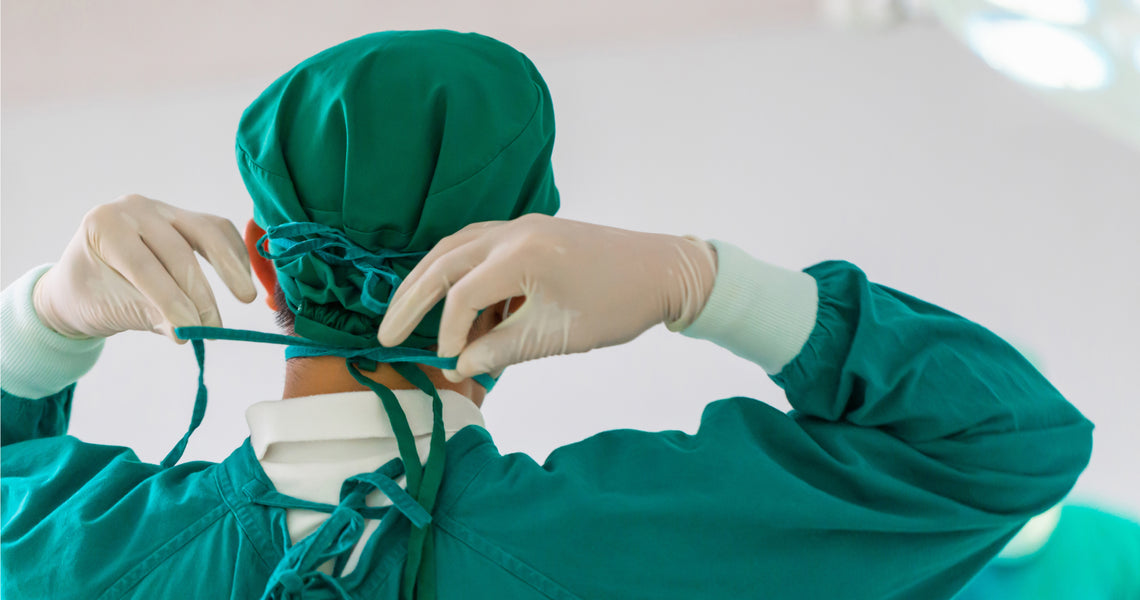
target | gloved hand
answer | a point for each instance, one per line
(586, 286)
(131, 265)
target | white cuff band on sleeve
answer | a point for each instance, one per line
(758, 311)
(36, 361)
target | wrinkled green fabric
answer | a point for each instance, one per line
(919, 443)
(399, 139)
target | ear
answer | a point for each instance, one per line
(262, 267)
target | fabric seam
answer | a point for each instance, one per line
(475, 472)
(226, 492)
(135, 576)
(507, 146)
(248, 158)
(505, 560)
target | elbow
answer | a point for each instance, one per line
(1017, 473)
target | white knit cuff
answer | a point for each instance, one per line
(758, 311)
(36, 361)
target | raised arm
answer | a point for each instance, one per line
(130, 265)
(920, 441)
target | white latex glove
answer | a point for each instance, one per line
(586, 286)
(131, 265)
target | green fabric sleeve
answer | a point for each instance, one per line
(29, 419)
(72, 510)
(83, 521)
(919, 443)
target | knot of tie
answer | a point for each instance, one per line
(292, 240)
(298, 575)
(299, 572)
(291, 584)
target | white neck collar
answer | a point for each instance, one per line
(351, 416)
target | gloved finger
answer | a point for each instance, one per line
(507, 344)
(442, 248)
(219, 242)
(134, 261)
(535, 329)
(406, 312)
(476, 289)
(175, 253)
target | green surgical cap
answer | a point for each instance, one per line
(397, 139)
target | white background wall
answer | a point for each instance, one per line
(900, 153)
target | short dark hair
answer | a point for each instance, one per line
(285, 318)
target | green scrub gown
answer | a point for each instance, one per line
(919, 443)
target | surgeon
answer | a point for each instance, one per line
(1070, 552)
(402, 198)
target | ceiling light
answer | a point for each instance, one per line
(1039, 54)
(1063, 12)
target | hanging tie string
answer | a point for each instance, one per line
(199, 413)
(423, 481)
(294, 240)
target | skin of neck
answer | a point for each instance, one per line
(310, 376)
(314, 375)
